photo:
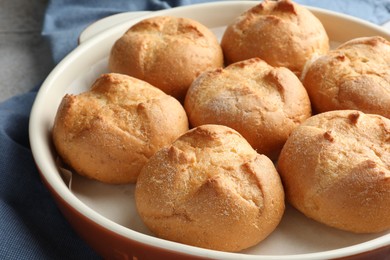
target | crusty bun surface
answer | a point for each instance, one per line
(109, 132)
(210, 189)
(282, 33)
(261, 102)
(168, 52)
(356, 75)
(335, 168)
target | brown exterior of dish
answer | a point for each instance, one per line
(110, 245)
(113, 246)
(107, 243)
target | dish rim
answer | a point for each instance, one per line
(46, 169)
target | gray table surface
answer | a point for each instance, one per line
(25, 58)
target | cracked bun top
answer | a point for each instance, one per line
(261, 102)
(109, 132)
(210, 189)
(335, 168)
(356, 75)
(168, 52)
(282, 33)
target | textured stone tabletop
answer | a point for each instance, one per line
(25, 58)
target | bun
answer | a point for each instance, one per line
(335, 168)
(356, 75)
(168, 52)
(261, 102)
(109, 132)
(210, 189)
(282, 33)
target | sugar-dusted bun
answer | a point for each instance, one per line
(282, 33)
(356, 75)
(109, 132)
(261, 102)
(335, 168)
(168, 52)
(210, 189)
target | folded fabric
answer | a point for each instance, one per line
(374, 11)
(64, 20)
(31, 226)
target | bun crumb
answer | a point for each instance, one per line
(210, 189)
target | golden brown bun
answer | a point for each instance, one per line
(109, 132)
(261, 102)
(335, 168)
(210, 189)
(356, 75)
(168, 52)
(282, 33)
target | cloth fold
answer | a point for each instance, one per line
(31, 226)
(62, 28)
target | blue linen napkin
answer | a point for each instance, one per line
(31, 226)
